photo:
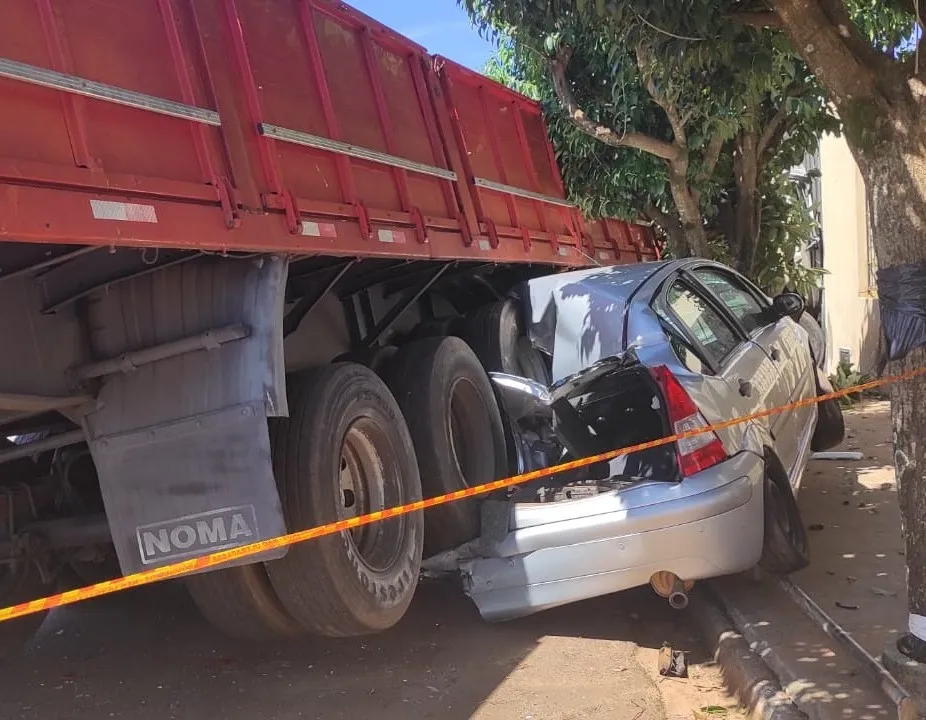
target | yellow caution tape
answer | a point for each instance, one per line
(221, 557)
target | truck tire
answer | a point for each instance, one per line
(494, 333)
(241, 603)
(785, 548)
(19, 583)
(455, 423)
(347, 451)
(373, 358)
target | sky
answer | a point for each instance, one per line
(441, 26)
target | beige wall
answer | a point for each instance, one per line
(850, 309)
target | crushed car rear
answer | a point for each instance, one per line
(666, 515)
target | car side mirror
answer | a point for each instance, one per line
(789, 305)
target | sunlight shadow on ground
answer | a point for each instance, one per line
(147, 655)
(856, 546)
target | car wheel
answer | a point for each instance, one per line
(456, 426)
(346, 452)
(785, 549)
(831, 425)
(19, 583)
(241, 603)
(815, 338)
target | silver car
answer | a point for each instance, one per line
(640, 352)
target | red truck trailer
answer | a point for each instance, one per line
(255, 259)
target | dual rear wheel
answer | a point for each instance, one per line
(355, 443)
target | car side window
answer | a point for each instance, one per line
(708, 327)
(735, 297)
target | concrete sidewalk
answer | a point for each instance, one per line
(858, 570)
(856, 577)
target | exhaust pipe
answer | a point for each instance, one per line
(678, 600)
(670, 586)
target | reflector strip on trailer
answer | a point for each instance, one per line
(391, 236)
(315, 229)
(520, 192)
(361, 153)
(128, 212)
(100, 91)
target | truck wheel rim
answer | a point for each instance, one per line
(368, 480)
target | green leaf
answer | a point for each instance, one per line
(731, 81)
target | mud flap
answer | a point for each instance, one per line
(181, 445)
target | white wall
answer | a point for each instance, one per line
(850, 308)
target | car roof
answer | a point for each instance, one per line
(580, 316)
(559, 308)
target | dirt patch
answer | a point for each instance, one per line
(701, 696)
(857, 572)
(147, 655)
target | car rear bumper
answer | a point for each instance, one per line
(708, 525)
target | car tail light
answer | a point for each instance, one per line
(697, 452)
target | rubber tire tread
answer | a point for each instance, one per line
(321, 582)
(241, 603)
(494, 333)
(815, 338)
(780, 554)
(421, 376)
(374, 358)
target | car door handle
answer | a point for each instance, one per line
(776, 354)
(745, 388)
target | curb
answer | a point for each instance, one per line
(905, 704)
(744, 672)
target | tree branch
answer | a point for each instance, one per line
(771, 130)
(823, 45)
(673, 229)
(602, 133)
(711, 157)
(838, 14)
(676, 121)
(769, 151)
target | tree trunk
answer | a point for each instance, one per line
(748, 205)
(896, 180)
(884, 111)
(675, 234)
(689, 212)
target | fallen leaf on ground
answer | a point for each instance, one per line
(710, 711)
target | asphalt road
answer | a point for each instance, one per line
(147, 655)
